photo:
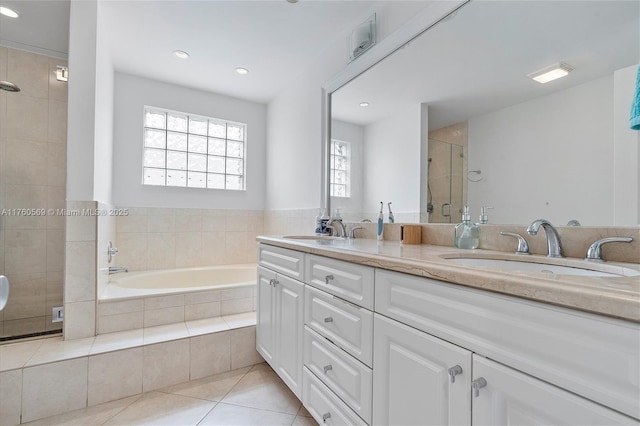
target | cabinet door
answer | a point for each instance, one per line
(265, 327)
(289, 320)
(411, 378)
(509, 397)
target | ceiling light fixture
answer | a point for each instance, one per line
(551, 73)
(292, 1)
(242, 71)
(364, 104)
(180, 54)
(8, 12)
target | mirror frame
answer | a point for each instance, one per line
(431, 15)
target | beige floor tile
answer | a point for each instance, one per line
(303, 412)
(90, 416)
(52, 351)
(261, 388)
(304, 421)
(225, 414)
(212, 388)
(157, 408)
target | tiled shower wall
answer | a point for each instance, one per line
(32, 176)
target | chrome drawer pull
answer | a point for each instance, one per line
(328, 319)
(328, 278)
(327, 368)
(478, 384)
(326, 416)
(273, 282)
(454, 371)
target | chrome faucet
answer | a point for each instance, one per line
(116, 269)
(594, 252)
(352, 231)
(341, 227)
(553, 239)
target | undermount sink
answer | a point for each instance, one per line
(525, 266)
(311, 237)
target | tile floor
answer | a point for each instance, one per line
(248, 396)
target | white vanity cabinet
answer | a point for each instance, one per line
(338, 341)
(419, 379)
(279, 316)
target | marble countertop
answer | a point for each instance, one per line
(617, 297)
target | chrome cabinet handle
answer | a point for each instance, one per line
(478, 384)
(327, 368)
(326, 416)
(328, 278)
(328, 319)
(273, 282)
(453, 372)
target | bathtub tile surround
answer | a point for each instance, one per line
(32, 175)
(55, 376)
(152, 311)
(165, 238)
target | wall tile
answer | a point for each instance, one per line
(45, 394)
(83, 320)
(201, 311)
(161, 223)
(236, 306)
(56, 201)
(188, 223)
(30, 71)
(188, 249)
(123, 307)
(164, 301)
(10, 397)
(25, 251)
(24, 326)
(202, 297)
(80, 272)
(27, 297)
(57, 89)
(25, 197)
(26, 162)
(27, 118)
(163, 316)
(120, 322)
(132, 223)
(115, 375)
(243, 348)
(57, 127)
(55, 250)
(210, 354)
(133, 251)
(81, 227)
(161, 253)
(165, 364)
(235, 248)
(55, 282)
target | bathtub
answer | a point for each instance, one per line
(146, 299)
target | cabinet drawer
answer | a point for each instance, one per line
(574, 350)
(324, 405)
(346, 280)
(285, 261)
(348, 326)
(344, 375)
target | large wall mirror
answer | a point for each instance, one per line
(453, 118)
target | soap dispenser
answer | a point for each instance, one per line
(467, 234)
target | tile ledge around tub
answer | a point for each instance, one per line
(121, 340)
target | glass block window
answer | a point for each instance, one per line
(188, 150)
(340, 169)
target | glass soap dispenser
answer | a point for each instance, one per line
(467, 234)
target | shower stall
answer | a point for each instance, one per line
(33, 120)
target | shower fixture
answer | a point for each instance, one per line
(8, 86)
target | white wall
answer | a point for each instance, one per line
(626, 151)
(353, 134)
(531, 153)
(82, 92)
(392, 162)
(103, 148)
(294, 157)
(131, 95)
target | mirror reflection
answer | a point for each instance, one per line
(453, 118)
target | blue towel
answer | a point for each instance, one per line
(634, 121)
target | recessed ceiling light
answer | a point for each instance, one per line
(292, 1)
(180, 54)
(551, 73)
(364, 104)
(8, 12)
(242, 71)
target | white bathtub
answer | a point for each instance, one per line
(147, 299)
(126, 285)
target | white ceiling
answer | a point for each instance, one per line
(276, 40)
(478, 60)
